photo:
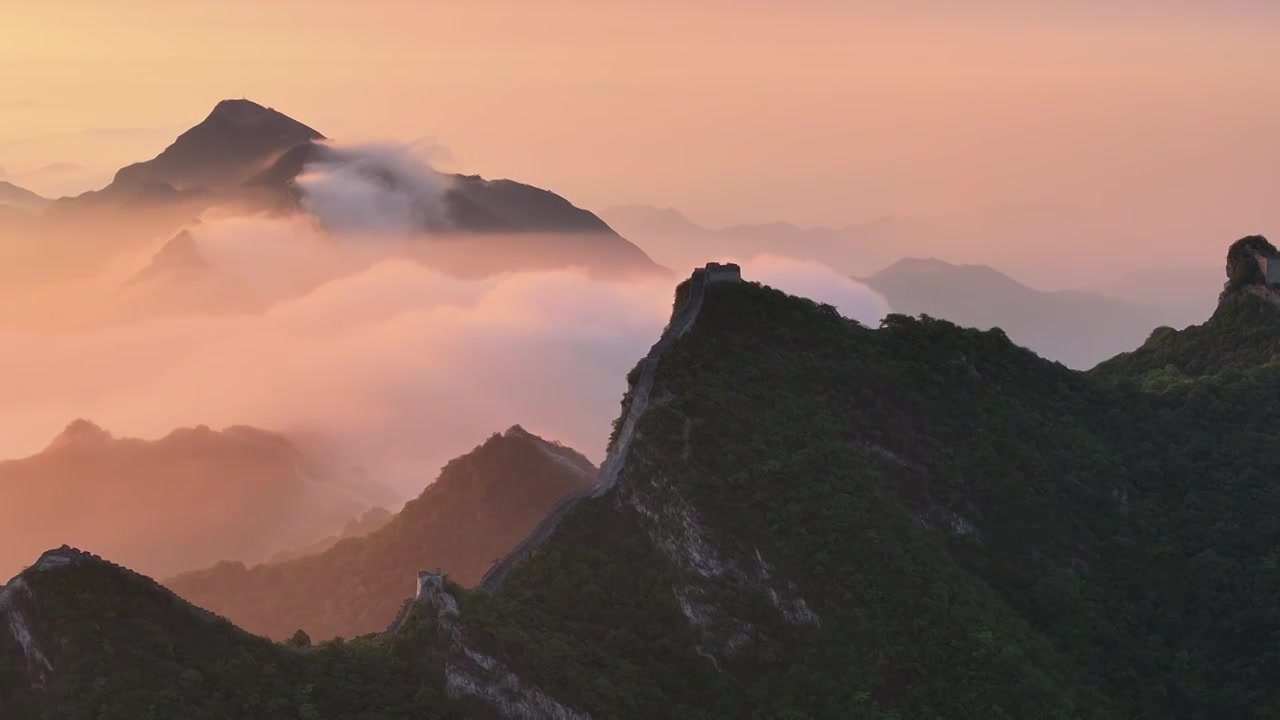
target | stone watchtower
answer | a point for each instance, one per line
(1253, 264)
(1270, 267)
(723, 272)
(430, 581)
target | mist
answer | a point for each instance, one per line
(398, 365)
(361, 345)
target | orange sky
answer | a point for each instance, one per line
(1155, 118)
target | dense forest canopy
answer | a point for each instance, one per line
(818, 520)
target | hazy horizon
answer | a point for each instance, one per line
(1094, 132)
(1117, 148)
(574, 359)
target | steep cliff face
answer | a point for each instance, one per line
(470, 673)
(19, 611)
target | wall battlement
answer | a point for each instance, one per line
(721, 272)
(429, 581)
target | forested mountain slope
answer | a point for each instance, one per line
(814, 519)
(978, 532)
(84, 639)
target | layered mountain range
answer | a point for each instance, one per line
(673, 239)
(482, 504)
(19, 198)
(800, 517)
(1076, 328)
(245, 159)
(177, 503)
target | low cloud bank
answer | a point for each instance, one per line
(377, 355)
(397, 364)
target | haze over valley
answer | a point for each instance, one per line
(571, 361)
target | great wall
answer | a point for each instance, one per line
(682, 320)
(470, 672)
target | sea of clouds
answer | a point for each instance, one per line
(385, 360)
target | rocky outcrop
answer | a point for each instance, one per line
(710, 569)
(470, 673)
(708, 566)
(16, 600)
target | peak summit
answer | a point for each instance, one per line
(81, 433)
(240, 111)
(236, 140)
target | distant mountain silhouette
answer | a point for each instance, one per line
(21, 198)
(178, 281)
(16, 220)
(367, 522)
(184, 501)
(244, 158)
(482, 504)
(236, 141)
(650, 219)
(503, 224)
(203, 168)
(1076, 328)
(1185, 295)
(674, 240)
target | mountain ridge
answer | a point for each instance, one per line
(818, 519)
(21, 198)
(676, 240)
(1075, 327)
(249, 484)
(244, 157)
(482, 503)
